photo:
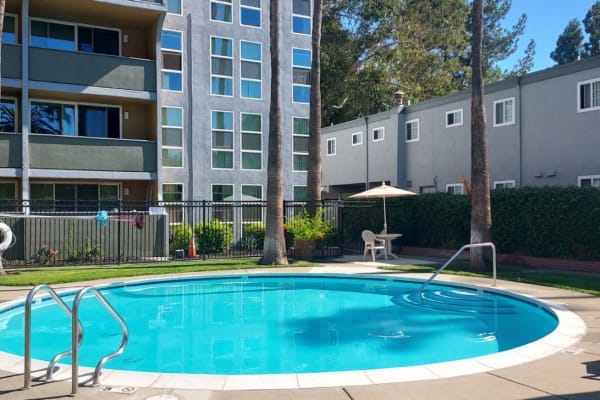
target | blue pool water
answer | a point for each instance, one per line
(262, 324)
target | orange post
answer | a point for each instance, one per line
(192, 247)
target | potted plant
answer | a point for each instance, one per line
(305, 231)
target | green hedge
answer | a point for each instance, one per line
(544, 222)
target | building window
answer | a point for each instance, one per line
(8, 196)
(59, 119)
(356, 138)
(301, 60)
(509, 184)
(8, 110)
(589, 95)
(250, 13)
(454, 118)
(251, 141)
(504, 112)
(222, 140)
(589, 181)
(300, 144)
(9, 30)
(378, 134)
(174, 7)
(220, 10)
(173, 193)
(74, 197)
(251, 213)
(301, 16)
(172, 137)
(299, 193)
(60, 36)
(251, 70)
(455, 188)
(331, 147)
(221, 66)
(172, 65)
(412, 130)
(222, 193)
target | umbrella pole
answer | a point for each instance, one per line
(384, 217)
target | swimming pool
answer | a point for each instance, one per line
(285, 323)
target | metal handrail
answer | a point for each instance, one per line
(75, 332)
(59, 356)
(466, 246)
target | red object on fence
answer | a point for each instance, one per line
(192, 247)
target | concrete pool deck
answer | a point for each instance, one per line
(569, 370)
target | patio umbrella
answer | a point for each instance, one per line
(383, 191)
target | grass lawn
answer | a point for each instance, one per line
(580, 282)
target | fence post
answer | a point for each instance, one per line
(119, 234)
(203, 230)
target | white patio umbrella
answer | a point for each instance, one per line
(383, 191)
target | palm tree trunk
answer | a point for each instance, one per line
(313, 178)
(2, 7)
(481, 212)
(274, 246)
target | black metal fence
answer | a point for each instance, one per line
(61, 233)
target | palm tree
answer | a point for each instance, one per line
(313, 178)
(481, 211)
(274, 248)
(2, 7)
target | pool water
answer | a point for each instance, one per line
(265, 324)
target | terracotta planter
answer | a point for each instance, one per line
(304, 249)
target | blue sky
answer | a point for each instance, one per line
(546, 20)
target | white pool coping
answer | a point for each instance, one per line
(569, 331)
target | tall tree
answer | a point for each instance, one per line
(591, 22)
(274, 246)
(313, 178)
(481, 210)
(2, 7)
(569, 45)
(525, 63)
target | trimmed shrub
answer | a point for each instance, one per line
(213, 237)
(253, 236)
(181, 236)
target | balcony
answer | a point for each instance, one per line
(10, 150)
(91, 154)
(88, 69)
(11, 61)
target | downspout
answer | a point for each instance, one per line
(25, 108)
(520, 132)
(367, 150)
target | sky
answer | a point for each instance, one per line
(546, 20)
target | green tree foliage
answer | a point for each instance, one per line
(591, 22)
(525, 64)
(569, 46)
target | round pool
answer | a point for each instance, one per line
(283, 323)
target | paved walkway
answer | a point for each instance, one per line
(571, 373)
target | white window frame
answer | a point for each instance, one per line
(16, 18)
(212, 75)
(592, 178)
(506, 184)
(455, 185)
(300, 67)
(359, 141)
(378, 129)
(180, 51)
(590, 82)
(242, 151)
(249, 79)
(458, 111)
(182, 136)
(16, 100)
(172, 221)
(309, 17)
(413, 123)
(505, 123)
(331, 147)
(180, 8)
(300, 153)
(253, 8)
(297, 186)
(229, 3)
(261, 217)
(212, 149)
(76, 122)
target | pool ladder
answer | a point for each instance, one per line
(466, 246)
(76, 335)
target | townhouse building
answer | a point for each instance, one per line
(148, 100)
(543, 130)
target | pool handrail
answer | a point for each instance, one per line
(466, 246)
(27, 339)
(75, 329)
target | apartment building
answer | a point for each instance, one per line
(160, 100)
(543, 130)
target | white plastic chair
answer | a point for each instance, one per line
(373, 244)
